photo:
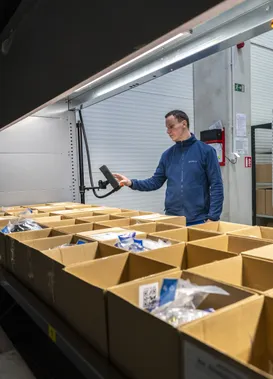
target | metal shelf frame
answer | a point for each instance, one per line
(90, 363)
(254, 184)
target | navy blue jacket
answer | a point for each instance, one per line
(194, 181)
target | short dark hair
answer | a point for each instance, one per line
(180, 115)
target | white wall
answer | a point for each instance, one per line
(128, 134)
(215, 99)
(36, 159)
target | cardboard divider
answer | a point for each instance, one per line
(63, 204)
(47, 267)
(48, 209)
(92, 219)
(26, 250)
(242, 271)
(72, 212)
(186, 234)
(156, 217)
(265, 252)
(109, 235)
(156, 343)
(218, 247)
(60, 221)
(90, 281)
(132, 213)
(4, 222)
(79, 206)
(185, 256)
(220, 226)
(75, 229)
(18, 213)
(235, 342)
(261, 232)
(15, 254)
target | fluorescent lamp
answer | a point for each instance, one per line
(185, 34)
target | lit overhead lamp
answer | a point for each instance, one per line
(135, 59)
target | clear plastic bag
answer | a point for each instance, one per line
(179, 300)
(21, 225)
(132, 244)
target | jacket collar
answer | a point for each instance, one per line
(188, 142)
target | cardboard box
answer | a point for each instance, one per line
(177, 220)
(260, 201)
(154, 227)
(265, 252)
(234, 343)
(74, 229)
(71, 212)
(102, 235)
(268, 203)
(55, 221)
(132, 214)
(241, 271)
(127, 223)
(143, 346)
(92, 219)
(185, 234)
(48, 209)
(4, 222)
(81, 295)
(203, 251)
(28, 250)
(220, 226)
(186, 256)
(16, 255)
(47, 268)
(20, 212)
(62, 204)
(261, 232)
(264, 173)
(79, 206)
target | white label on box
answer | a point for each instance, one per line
(199, 364)
(148, 295)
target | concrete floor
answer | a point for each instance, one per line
(12, 365)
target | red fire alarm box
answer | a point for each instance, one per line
(215, 138)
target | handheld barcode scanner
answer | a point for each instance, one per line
(110, 178)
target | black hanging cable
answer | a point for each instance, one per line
(89, 162)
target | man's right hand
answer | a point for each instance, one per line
(123, 181)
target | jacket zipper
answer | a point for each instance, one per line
(182, 179)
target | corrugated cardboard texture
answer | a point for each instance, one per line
(264, 173)
(220, 226)
(157, 345)
(177, 220)
(92, 219)
(260, 201)
(265, 252)
(74, 229)
(47, 266)
(268, 203)
(185, 234)
(241, 271)
(80, 297)
(255, 232)
(243, 333)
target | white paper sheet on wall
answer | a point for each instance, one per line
(241, 146)
(240, 125)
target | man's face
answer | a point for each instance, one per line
(175, 128)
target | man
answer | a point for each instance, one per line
(192, 171)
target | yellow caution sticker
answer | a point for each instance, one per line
(52, 334)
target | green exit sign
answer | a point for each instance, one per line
(239, 87)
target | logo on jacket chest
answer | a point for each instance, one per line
(192, 161)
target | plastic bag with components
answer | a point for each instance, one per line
(132, 244)
(21, 225)
(179, 300)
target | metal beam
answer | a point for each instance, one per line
(241, 23)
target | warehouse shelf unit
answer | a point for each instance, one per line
(259, 155)
(90, 363)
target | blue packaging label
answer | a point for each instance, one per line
(168, 291)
